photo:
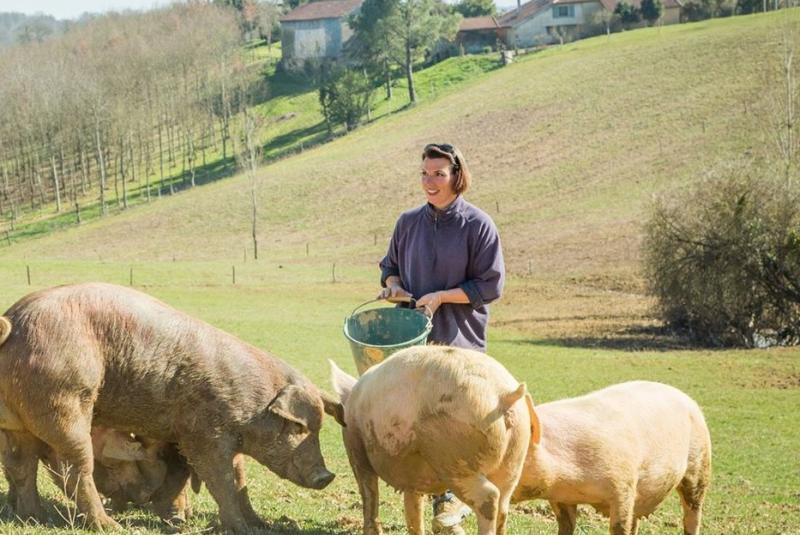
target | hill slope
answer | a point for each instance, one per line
(566, 146)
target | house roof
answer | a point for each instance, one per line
(529, 9)
(324, 9)
(478, 23)
(524, 12)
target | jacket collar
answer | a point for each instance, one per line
(454, 210)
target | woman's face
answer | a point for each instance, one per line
(437, 182)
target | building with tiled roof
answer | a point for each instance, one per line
(316, 30)
(477, 33)
(541, 22)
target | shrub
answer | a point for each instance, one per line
(345, 96)
(651, 10)
(724, 260)
(628, 13)
(695, 10)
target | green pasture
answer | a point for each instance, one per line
(295, 311)
(567, 146)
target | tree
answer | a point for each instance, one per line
(476, 8)
(628, 13)
(404, 30)
(746, 7)
(695, 10)
(651, 10)
(345, 96)
(606, 19)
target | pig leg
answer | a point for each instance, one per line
(68, 432)
(506, 485)
(483, 497)
(413, 508)
(367, 481)
(566, 516)
(213, 462)
(251, 517)
(170, 500)
(692, 493)
(621, 511)
(20, 463)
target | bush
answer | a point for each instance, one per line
(724, 261)
(628, 13)
(651, 10)
(345, 96)
(696, 10)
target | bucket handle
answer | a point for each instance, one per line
(400, 299)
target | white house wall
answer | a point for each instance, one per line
(533, 31)
(314, 39)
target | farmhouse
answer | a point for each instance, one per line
(476, 33)
(317, 30)
(542, 22)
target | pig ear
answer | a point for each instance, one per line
(122, 448)
(342, 383)
(334, 408)
(5, 329)
(536, 427)
(287, 405)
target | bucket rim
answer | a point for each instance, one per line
(413, 341)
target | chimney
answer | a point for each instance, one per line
(519, 4)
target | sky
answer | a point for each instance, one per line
(71, 9)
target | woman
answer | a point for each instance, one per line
(446, 254)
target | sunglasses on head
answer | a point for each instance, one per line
(444, 148)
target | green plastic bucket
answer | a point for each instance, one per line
(376, 333)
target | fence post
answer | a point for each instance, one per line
(233, 274)
(28, 268)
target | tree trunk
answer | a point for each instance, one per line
(412, 94)
(160, 159)
(388, 74)
(102, 164)
(56, 187)
(122, 176)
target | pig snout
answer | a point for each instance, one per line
(321, 478)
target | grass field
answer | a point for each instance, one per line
(567, 147)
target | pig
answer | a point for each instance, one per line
(622, 450)
(104, 355)
(126, 469)
(433, 418)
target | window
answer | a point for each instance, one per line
(560, 12)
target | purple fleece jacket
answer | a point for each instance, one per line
(459, 247)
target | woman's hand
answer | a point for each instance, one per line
(393, 289)
(431, 301)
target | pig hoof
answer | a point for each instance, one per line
(102, 523)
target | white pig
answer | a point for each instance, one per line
(622, 450)
(429, 419)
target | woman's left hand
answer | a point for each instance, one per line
(431, 301)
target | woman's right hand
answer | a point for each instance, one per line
(393, 290)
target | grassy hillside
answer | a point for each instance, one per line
(567, 146)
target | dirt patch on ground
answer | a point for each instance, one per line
(776, 379)
(605, 311)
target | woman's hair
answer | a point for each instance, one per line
(458, 166)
